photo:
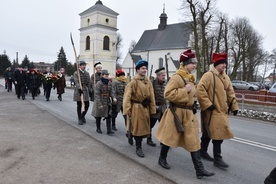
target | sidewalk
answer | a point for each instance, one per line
(37, 147)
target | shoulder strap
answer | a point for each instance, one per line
(182, 79)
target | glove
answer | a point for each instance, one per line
(80, 91)
(235, 113)
(212, 107)
(100, 107)
(114, 101)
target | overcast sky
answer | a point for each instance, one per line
(38, 28)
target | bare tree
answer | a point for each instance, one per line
(132, 46)
(118, 47)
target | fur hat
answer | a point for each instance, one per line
(219, 58)
(160, 70)
(120, 72)
(82, 63)
(141, 63)
(105, 72)
(186, 57)
(98, 64)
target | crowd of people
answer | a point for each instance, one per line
(143, 101)
(29, 81)
(172, 102)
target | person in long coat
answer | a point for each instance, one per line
(180, 92)
(33, 83)
(78, 92)
(118, 86)
(104, 97)
(215, 106)
(47, 85)
(20, 81)
(95, 78)
(139, 104)
(60, 85)
(159, 84)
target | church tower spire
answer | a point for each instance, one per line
(163, 19)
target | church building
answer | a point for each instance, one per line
(157, 45)
(98, 36)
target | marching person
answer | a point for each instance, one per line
(179, 124)
(139, 104)
(47, 85)
(119, 88)
(8, 79)
(60, 84)
(20, 82)
(216, 97)
(33, 83)
(85, 83)
(160, 102)
(104, 97)
(95, 78)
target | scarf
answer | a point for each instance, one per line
(187, 76)
(122, 78)
(105, 81)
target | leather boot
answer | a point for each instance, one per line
(108, 126)
(130, 139)
(271, 178)
(150, 142)
(204, 147)
(139, 151)
(83, 117)
(163, 157)
(98, 124)
(114, 124)
(218, 161)
(200, 171)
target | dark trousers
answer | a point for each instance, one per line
(205, 140)
(20, 91)
(138, 141)
(86, 106)
(152, 123)
(34, 92)
(9, 84)
(48, 92)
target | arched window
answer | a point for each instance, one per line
(88, 21)
(87, 43)
(106, 43)
(161, 62)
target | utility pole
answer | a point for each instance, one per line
(16, 58)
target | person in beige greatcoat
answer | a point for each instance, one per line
(138, 104)
(180, 92)
(224, 102)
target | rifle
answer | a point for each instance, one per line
(167, 68)
(177, 122)
(206, 126)
(129, 126)
(79, 79)
(150, 72)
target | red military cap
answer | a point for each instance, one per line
(186, 56)
(120, 72)
(219, 58)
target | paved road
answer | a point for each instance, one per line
(251, 154)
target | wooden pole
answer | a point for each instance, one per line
(79, 79)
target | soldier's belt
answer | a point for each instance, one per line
(183, 106)
(160, 103)
(104, 94)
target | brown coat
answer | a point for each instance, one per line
(166, 133)
(137, 90)
(60, 84)
(219, 126)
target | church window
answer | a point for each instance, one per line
(106, 20)
(87, 43)
(106, 43)
(161, 62)
(88, 21)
